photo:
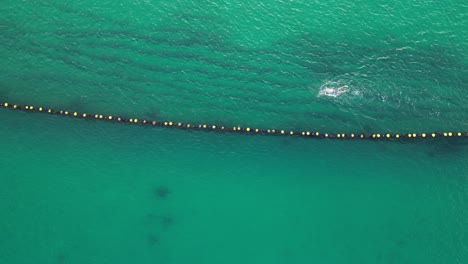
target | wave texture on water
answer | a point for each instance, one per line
(78, 192)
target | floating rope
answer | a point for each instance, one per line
(235, 129)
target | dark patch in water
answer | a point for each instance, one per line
(61, 258)
(167, 221)
(446, 148)
(161, 192)
(152, 239)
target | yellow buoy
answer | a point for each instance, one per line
(248, 129)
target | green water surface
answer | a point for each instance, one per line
(76, 191)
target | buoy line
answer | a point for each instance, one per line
(235, 129)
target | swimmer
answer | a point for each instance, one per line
(334, 91)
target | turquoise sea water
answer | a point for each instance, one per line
(75, 191)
